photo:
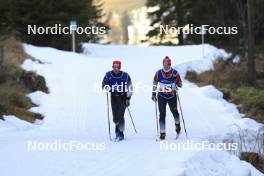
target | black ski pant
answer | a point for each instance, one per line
(118, 109)
(162, 103)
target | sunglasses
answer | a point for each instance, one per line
(167, 63)
(115, 68)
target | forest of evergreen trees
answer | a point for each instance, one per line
(214, 13)
(246, 15)
(15, 15)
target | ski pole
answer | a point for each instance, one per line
(181, 113)
(108, 117)
(132, 119)
(157, 119)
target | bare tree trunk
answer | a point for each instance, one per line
(1, 55)
(251, 43)
(179, 13)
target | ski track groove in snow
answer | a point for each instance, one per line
(73, 111)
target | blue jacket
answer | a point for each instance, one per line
(118, 84)
(167, 85)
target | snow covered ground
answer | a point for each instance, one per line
(74, 111)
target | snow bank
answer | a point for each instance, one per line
(218, 163)
(212, 92)
(13, 124)
(205, 62)
(37, 97)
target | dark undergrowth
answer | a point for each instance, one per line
(16, 83)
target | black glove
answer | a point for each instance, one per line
(154, 96)
(105, 88)
(179, 84)
(127, 102)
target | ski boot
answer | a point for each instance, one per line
(119, 134)
(178, 130)
(162, 136)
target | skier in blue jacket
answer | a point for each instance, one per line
(165, 82)
(120, 86)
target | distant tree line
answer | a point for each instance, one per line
(16, 15)
(247, 15)
(213, 13)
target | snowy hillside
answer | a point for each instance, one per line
(75, 111)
